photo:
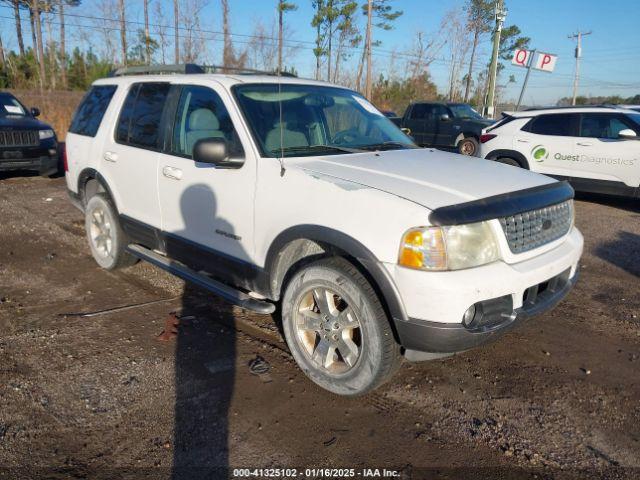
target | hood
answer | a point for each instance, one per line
(18, 122)
(430, 178)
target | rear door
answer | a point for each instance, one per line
(130, 156)
(548, 142)
(602, 154)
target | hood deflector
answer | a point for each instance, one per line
(502, 205)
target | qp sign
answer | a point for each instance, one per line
(545, 62)
(521, 58)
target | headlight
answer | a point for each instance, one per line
(44, 134)
(448, 248)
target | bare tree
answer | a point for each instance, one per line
(161, 30)
(1, 53)
(63, 51)
(147, 38)
(229, 57)
(176, 35)
(193, 42)
(123, 32)
(35, 7)
(424, 52)
(479, 19)
(16, 4)
(107, 29)
(458, 45)
(283, 7)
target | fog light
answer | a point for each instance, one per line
(469, 315)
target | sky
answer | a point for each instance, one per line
(610, 63)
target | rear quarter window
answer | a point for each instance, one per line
(88, 116)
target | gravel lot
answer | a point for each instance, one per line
(101, 397)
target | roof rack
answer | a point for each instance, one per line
(604, 105)
(190, 68)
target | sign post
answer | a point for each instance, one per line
(532, 59)
(530, 56)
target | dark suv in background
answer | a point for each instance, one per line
(444, 125)
(26, 143)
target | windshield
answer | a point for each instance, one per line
(465, 111)
(635, 117)
(9, 105)
(299, 120)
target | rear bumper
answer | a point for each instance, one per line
(437, 337)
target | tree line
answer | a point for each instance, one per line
(347, 47)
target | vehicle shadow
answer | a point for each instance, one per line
(205, 360)
(625, 203)
(623, 252)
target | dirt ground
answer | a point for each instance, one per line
(101, 397)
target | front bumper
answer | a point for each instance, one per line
(435, 337)
(41, 159)
(435, 302)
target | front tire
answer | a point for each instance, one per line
(106, 238)
(468, 146)
(337, 330)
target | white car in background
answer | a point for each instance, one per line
(596, 148)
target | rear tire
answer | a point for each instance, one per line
(509, 161)
(106, 238)
(468, 146)
(337, 330)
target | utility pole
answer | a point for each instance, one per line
(500, 15)
(578, 36)
(367, 85)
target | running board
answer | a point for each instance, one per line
(228, 293)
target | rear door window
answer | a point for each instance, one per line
(561, 124)
(89, 114)
(141, 115)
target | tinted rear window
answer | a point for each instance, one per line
(141, 114)
(88, 116)
(562, 124)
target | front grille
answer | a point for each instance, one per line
(19, 138)
(528, 230)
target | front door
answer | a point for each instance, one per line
(207, 212)
(602, 154)
(415, 122)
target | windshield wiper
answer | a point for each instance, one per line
(315, 148)
(387, 146)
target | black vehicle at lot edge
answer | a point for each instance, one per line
(26, 143)
(444, 125)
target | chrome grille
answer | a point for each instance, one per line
(528, 230)
(19, 138)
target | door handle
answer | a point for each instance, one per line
(172, 172)
(110, 157)
(585, 144)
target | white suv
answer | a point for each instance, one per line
(596, 148)
(266, 190)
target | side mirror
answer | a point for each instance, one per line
(215, 151)
(35, 111)
(406, 131)
(627, 134)
(445, 117)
